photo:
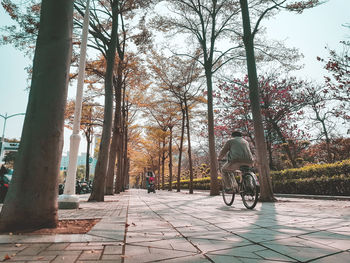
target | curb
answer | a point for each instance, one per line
(303, 196)
(319, 197)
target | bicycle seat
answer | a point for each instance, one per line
(245, 168)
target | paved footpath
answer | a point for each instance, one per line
(178, 227)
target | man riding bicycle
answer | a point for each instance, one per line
(238, 154)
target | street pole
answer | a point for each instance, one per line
(69, 200)
(3, 132)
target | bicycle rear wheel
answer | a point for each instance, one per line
(250, 193)
(227, 190)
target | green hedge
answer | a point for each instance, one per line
(314, 171)
(321, 179)
(336, 185)
(318, 179)
(198, 184)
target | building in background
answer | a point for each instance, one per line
(81, 161)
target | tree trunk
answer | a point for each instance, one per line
(214, 185)
(171, 159)
(163, 163)
(269, 149)
(98, 187)
(87, 161)
(112, 159)
(159, 164)
(125, 149)
(189, 148)
(119, 150)
(180, 149)
(328, 141)
(254, 95)
(32, 198)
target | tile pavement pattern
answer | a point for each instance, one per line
(178, 227)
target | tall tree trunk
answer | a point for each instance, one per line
(214, 184)
(98, 187)
(189, 147)
(116, 139)
(125, 149)
(87, 161)
(159, 164)
(32, 198)
(163, 163)
(171, 159)
(119, 150)
(254, 95)
(180, 149)
(269, 149)
(112, 158)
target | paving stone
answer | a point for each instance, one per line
(60, 253)
(58, 246)
(13, 248)
(343, 257)
(302, 250)
(178, 227)
(138, 254)
(113, 250)
(243, 251)
(233, 259)
(208, 245)
(84, 246)
(188, 259)
(33, 249)
(65, 259)
(35, 258)
(172, 244)
(90, 255)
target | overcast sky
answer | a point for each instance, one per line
(310, 32)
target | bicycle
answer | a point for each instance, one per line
(248, 186)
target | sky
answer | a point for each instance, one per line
(310, 32)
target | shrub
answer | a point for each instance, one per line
(316, 179)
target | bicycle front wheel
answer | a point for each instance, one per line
(250, 193)
(228, 193)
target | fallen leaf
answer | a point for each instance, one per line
(7, 257)
(18, 245)
(127, 225)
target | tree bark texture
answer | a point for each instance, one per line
(214, 185)
(189, 147)
(171, 159)
(163, 163)
(254, 95)
(87, 161)
(98, 187)
(32, 198)
(180, 148)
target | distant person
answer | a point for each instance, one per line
(238, 154)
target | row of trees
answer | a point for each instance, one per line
(117, 29)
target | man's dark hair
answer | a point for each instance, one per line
(236, 134)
